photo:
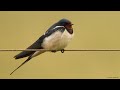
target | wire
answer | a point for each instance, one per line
(59, 50)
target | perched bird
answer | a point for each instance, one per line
(55, 38)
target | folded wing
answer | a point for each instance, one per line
(35, 45)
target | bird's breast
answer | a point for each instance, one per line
(57, 41)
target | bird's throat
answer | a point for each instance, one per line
(70, 31)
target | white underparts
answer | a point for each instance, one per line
(56, 41)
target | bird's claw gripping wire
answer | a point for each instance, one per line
(62, 51)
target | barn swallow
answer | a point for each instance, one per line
(55, 38)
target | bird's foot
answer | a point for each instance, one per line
(62, 51)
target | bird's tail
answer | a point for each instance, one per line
(21, 65)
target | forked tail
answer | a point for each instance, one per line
(21, 65)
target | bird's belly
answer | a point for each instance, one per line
(57, 41)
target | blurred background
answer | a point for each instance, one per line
(92, 29)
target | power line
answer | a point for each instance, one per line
(87, 50)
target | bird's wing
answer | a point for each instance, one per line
(35, 45)
(51, 31)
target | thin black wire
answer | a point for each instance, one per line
(59, 50)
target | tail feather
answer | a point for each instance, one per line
(20, 65)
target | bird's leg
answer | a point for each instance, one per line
(62, 51)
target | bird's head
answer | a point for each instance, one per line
(67, 24)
